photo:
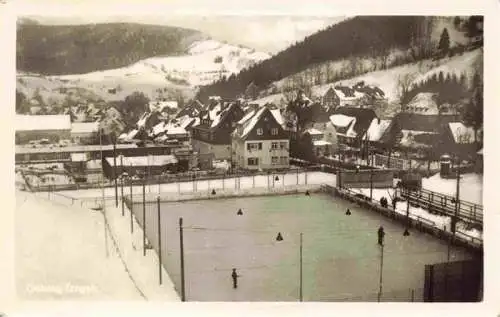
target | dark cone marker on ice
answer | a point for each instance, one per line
(239, 213)
(279, 237)
(213, 191)
(406, 233)
(307, 193)
(348, 212)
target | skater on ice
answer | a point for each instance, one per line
(235, 276)
(381, 235)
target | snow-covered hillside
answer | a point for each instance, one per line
(387, 80)
(205, 62)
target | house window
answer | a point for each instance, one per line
(274, 131)
(274, 145)
(274, 160)
(282, 145)
(254, 146)
(252, 161)
(260, 131)
(284, 160)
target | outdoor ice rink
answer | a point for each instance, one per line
(341, 258)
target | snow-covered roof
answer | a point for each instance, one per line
(342, 96)
(39, 123)
(216, 116)
(341, 120)
(213, 113)
(321, 143)
(313, 131)
(246, 117)
(185, 121)
(251, 122)
(160, 105)
(176, 130)
(142, 120)
(159, 128)
(461, 133)
(377, 129)
(132, 134)
(84, 127)
(278, 116)
(153, 160)
(408, 137)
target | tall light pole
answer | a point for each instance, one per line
(103, 196)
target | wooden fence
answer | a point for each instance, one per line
(444, 204)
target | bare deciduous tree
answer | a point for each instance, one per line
(404, 85)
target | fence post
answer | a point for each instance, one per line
(144, 218)
(131, 204)
(159, 242)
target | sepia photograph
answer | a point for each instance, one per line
(247, 158)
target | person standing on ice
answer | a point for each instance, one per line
(381, 235)
(235, 276)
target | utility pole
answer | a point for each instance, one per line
(406, 232)
(131, 208)
(371, 185)
(103, 199)
(301, 274)
(181, 235)
(122, 181)
(381, 270)
(115, 174)
(457, 209)
(159, 241)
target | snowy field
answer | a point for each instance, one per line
(246, 182)
(341, 257)
(471, 186)
(61, 255)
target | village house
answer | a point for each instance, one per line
(324, 142)
(414, 133)
(193, 109)
(330, 99)
(460, 139)
(375, 132)
(351, 125)
(163, 106)
(213, 133)
(259, 142)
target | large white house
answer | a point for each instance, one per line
(259, 142)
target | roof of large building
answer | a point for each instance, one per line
(84, 127)
(42, 122)
(153, 160)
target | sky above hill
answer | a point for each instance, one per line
(267, 33)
